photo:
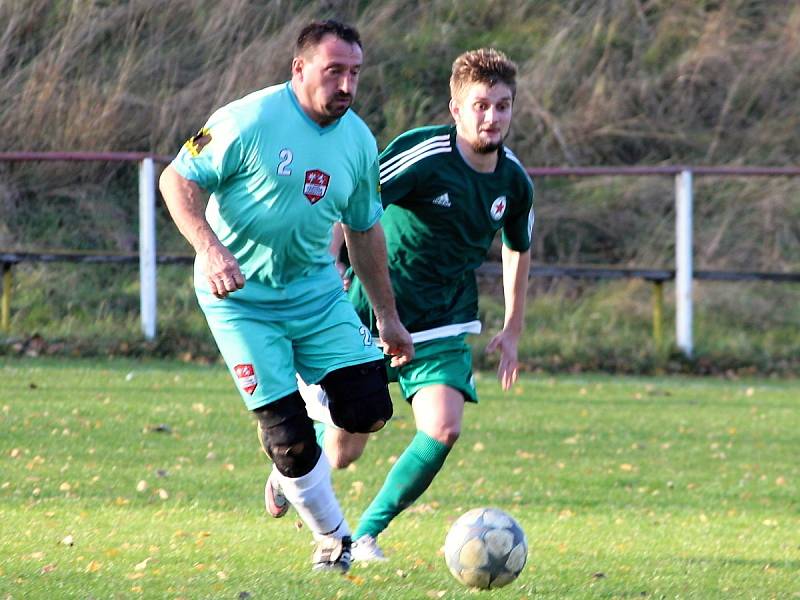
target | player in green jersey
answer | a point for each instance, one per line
(283, 165)
(446, 193)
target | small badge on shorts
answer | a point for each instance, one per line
(246, 378)
(316, 185)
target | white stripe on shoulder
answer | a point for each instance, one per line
(418, 147)
(514, 158)
(388, 174)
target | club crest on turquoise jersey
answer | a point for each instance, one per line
(498, 208)
(316, 185)
(246, 377)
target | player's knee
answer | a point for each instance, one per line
(358, 397)
(287, 435)
(446, 433)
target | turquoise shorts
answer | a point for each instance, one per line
(265, 354)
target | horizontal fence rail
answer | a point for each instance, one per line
(683, 274)
(492, 269)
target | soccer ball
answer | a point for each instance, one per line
(485, 548)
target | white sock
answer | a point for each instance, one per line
(313, 498)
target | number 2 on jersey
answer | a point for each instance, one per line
(366, 335)
(286, 157)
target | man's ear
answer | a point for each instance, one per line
(297, 66)
(454, 109)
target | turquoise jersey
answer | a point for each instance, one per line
(278, 182)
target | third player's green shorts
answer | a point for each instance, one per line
(446, 361)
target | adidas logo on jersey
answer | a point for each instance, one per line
(443, 200)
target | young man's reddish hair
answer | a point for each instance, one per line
(485, 65)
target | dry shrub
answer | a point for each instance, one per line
(613, 82)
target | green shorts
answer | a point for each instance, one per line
(445, 361)
(265, 355)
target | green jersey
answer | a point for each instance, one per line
(278, 182)
(440, 219)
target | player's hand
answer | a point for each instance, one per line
(508, 368)
(396, 341)
(222, 270)
(342, 268)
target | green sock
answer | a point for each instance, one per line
(320, 430)
(408, 478)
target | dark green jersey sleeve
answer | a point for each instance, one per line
(518, 226)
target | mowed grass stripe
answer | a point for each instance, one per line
(626, 487)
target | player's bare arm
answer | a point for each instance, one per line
(337, 241)
(516, 266)
(186, 202)
(367, 251)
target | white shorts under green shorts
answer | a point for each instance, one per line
(264, 354)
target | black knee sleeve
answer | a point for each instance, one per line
(358, 397)
(287, 434)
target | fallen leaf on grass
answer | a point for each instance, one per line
(93, 566)
(770, 522)
(356, 488)
(355, 579)
(48, 568)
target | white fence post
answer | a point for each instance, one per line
(147, 246)
(683, 261)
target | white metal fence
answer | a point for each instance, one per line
(683, 273)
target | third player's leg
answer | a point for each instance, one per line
(438, 412)
(343, 448)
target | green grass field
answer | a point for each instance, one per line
(122, 479)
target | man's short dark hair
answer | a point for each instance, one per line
(311, 35)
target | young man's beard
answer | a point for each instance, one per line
(486, 147)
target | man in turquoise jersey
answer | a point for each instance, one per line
(282, 165)
(446, 191)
